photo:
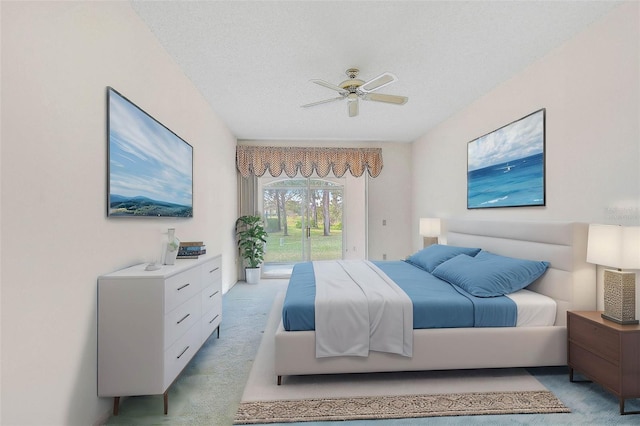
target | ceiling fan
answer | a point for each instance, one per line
(354, 89)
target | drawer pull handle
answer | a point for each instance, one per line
(183, 351)
(183, 286)
(183, 318)
(214, 318)
(214, 269)
(210, 296)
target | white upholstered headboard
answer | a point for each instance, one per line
(570, 280)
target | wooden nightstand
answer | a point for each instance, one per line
(605, 352)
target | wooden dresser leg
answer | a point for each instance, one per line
(166, 402)
(279, 380)
(116, 405)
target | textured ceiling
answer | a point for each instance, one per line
(252, 60)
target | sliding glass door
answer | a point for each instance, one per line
(304, 219)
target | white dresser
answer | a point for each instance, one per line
(151, 323)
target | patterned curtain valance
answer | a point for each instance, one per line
(256, 160)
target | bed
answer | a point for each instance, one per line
(569, 281)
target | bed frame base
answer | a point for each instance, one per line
(433, 349)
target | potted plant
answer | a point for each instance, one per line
(251, 241)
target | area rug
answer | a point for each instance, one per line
(394, 407)
(340, 397)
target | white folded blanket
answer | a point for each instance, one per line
(358, 308)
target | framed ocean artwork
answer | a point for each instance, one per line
(506, 168)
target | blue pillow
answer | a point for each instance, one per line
(432, 256)
(490, 275)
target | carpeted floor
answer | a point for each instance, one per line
(209, 390)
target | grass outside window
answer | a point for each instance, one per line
(288, 248)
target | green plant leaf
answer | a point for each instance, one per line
(251, 237)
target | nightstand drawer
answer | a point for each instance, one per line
(596, 368)
(606, 353)
(598, 339)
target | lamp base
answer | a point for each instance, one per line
(620, 297)
(617, 321)
(427, 241)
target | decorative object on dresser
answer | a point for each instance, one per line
(151, 323)
(252, 239)
(618, 247)
(191, 249)
(605, 352)
(171, 249)
(430, 230)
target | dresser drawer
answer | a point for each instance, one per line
(597, 338)
(212, 298)
(210, 321)
(596, 368)
(181, 319)
(212, 271)
(179, 288)
(180, 353)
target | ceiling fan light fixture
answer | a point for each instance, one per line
(352, 106)
(355, 89)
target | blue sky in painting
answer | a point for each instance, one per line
(520, 139)
(146, 159)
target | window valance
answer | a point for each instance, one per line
(256, 160)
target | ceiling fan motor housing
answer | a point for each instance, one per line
(353, 83)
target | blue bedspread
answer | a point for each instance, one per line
(436, 303)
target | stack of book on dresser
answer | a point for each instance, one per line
(191, 249)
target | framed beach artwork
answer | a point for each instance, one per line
(506, 168)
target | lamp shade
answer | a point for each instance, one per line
(614, 246)
(429, 227)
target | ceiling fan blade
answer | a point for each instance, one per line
(331, 86)
(390, 99)
(339, 98)
(353, 105)
(378, 82)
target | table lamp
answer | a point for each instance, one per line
(430, 230)
(618, 247)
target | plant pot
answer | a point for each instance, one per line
(252, 275)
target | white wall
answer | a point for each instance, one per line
(590, 88)
(57, 59)
(389, 199)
